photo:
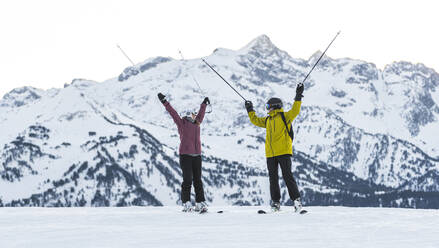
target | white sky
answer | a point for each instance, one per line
(48, 43)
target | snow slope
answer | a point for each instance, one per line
(236, 227)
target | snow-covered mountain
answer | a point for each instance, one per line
(364, 137)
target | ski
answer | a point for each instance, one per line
(261, 211)
(203, 211)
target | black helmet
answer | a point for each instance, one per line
(274, 103)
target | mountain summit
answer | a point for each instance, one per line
(260, 43)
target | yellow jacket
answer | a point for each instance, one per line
(277, 140)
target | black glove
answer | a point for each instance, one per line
(299, 92)
(249, 106)
(162, 97)
(206, 100)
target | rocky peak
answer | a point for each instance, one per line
(316, 56)
(417, 73)
(261, 44)
(20, 96)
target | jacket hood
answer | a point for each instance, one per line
(275, 111)
(189, 118)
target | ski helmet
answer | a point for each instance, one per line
(274, 103)
(188, 113)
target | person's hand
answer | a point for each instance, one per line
(206, 100)
(249, 106)
(299, 92)
(162, 97)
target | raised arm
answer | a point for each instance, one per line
(171, 110)
(257, 121)
(294, 111)
(292, 114)
(202, 111)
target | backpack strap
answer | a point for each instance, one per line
(290, 132)
(266, 119)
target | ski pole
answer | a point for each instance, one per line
(223, 79)
(125, 55)
(201, 91)
(195, 80)
(320, 57)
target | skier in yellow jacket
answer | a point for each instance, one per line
(279, 145)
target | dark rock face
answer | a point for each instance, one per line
(19, 97)
(21, 155)
(418, 84)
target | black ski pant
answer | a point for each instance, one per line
(191, 167)
(273, 167)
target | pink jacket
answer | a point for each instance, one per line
(189, 132)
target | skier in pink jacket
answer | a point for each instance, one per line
(190, 153)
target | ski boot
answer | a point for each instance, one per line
(298, 207)
(201, 207)
(187, 207)
(275, 206)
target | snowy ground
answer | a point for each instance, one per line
(236, 227)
